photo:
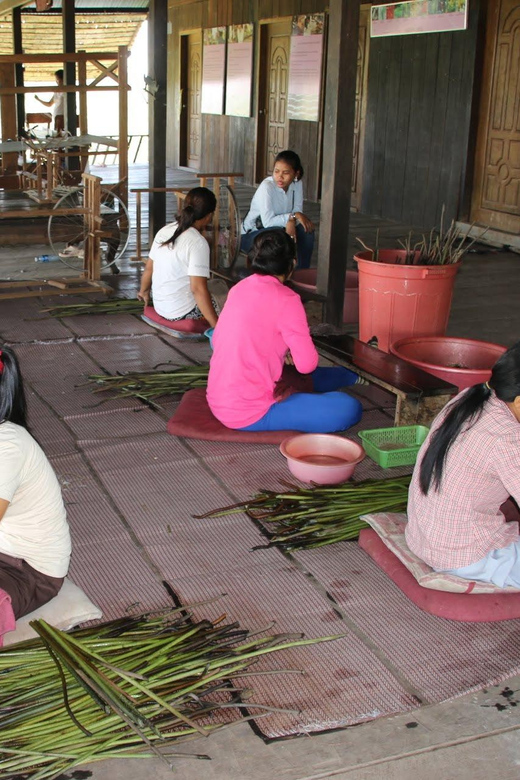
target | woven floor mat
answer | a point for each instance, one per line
(194, 351)
(137, 453)
(54, 361)
(440, 658)
(134, 354)
(72, 396)
(106, 325)
(344, 681)
(22, 321)
(51, 433)
(115, 424)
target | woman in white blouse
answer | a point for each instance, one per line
(278, 203)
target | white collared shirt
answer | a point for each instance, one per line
(273, 205)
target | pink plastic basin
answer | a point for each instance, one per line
(305, 278)
(321, 457)
(463, 362)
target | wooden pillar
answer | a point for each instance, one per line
(338, 139)
(122, 72)
(69, 47)
(18, 49)
(157, 70)
(8, 160)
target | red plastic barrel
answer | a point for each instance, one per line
(305, 278)
(462, 362)
(396, 301)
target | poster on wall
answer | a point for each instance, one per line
(239, 72)
(213, 68)
(305, 63)
(418, 16)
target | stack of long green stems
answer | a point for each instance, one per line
(134, 687)
(110, 306)
(302, 518)
(151, 385)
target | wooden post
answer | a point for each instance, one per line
(122, 72)
(69, 47)
(18, 49)
(9, 160)
(83, 116)
(157, 70)
(338, 139)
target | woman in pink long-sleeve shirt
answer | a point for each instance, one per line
(263, 325)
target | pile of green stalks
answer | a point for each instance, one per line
(134, 687)
(151, 385)
(302, 518)
(111, 306)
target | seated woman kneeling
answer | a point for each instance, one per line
(263, 325)
(467, 468)
(34, 534)
(177, 270)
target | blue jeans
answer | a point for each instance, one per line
(304, 244)
(323, 411)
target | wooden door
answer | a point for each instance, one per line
(496, 193)
(273, 126)
(361, 106)
(191, 86)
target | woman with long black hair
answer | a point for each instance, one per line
(467, 468)
(34, 534)
(178, 267)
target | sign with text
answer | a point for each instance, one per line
(213, 67)
(418, 16)
(239, 73)
(305, 63)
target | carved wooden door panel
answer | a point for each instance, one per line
(496, 194)
(360, 107)
(277, 125)
(194, 98)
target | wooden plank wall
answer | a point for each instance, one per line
(229, 143)
(418, 125)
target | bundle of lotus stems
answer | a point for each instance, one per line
(111, 306)
(134, 687)
(302, 518)
(151, 385)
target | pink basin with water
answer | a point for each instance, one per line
(462, 362)
(305, 278)
(321, 457)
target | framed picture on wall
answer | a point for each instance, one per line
(213, 69)
(418, 16)
(239, 70)
(305, 64)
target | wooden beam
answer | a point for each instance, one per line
(68, 17)
(122, 70)
(157, 70)
(9, 5)
(18, 49)
(38, 58)
(9, 160)
(338, 140)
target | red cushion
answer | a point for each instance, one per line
(470, 608)
(183, 326)
(193, 418)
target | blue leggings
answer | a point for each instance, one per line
(314, 413)
(304, 244)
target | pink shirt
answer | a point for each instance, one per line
(461, 523)
(261, 321)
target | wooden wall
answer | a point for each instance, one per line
(229, 143)
(418, 137)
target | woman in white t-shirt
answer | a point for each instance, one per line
(34, 533)
(177, 270)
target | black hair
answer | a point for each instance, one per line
(199, 202)
(505, 381)
(272, 253)
(12, 396)
(292, 159)
(59, 73)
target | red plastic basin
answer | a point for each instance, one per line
(322, 457)
(305, 278)
(463, 362)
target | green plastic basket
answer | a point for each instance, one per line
(408, 437)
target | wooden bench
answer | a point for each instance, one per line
(420, 396)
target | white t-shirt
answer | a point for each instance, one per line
(58, 107)
(34, 526)
(172, 268)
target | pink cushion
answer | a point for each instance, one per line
(193, 418)
(183, 326)
(470, 608)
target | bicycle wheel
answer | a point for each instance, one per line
(67, 232)
(228, 245)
